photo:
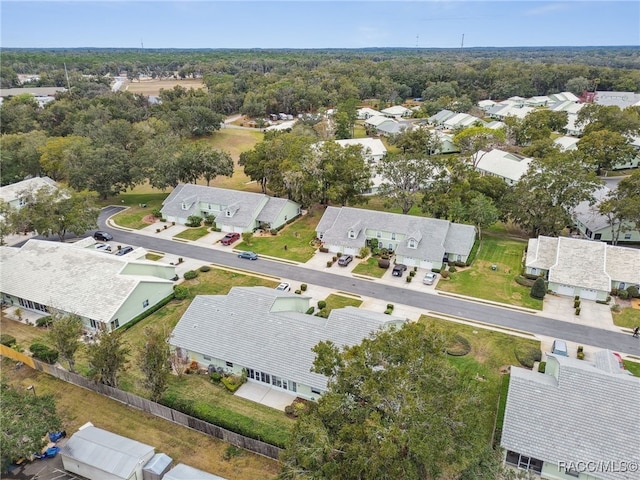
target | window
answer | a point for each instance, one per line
(145, 304)
(206, 357)
(316, 391)
(412, 243)
(572, 473)
(229, 364)
(352, 234)
(93, 323)
(524, 462)
(227, 213)
(185, 206)
(114, 324)
(597, 236)
(393, 236)
(627, 236)
(379, 235)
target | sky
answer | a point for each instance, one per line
(317, 24)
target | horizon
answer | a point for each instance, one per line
(318, 25)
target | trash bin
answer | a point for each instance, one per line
(494, 267)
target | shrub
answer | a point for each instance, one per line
(539, 289)
(384, 263)
(215, 376)
(578, 311)
(247, 237)
(324, 313)
(232, 382)
(375, 251)
(525, 281)
(435, 270)
(460, 264)
(7, 340)
(44, 321)
(390, 306)
(472, 254)
(580, 355)
(158, 230)
(444, 273)
(615, 307)
(194, 221)
(542, 367)
(329, 263)
(452, 269)
(321, 304)
(209, 220)
(310, 310)
(303, 287)
(216, 229)
(180, 260)
(384, 252)
(180, 292)
(458, 347)
(528, 355)
(374, 243)
(298, 292)
(409, 278)
(412, 273)
(324, 250)
(415, 269)
(388, 311)
(614, 292)
(633, 292)
(364, 252)
(273, 231)
(157, 213)
(334, 258)
(576, 303)
(44, 353)
(623, 294)
(165, 226)
(339, 254)
(190, 274)
(205, 268)
(576, 298)
(231, 451)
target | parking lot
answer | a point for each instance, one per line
(45, 469)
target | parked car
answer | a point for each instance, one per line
(398, 270)
(345, 260)
(103, 247)
(284, 287)
(229, 238)
(559, 347)
(102, 236)
(124, 251)
(429, 278)
(248, 255)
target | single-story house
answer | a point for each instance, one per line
(15, 194)
(372, 123)
(566, 106)
(595, 226)
(234, 211)
(104, 290)
(498, 163)
(461, 120)
(397, 111)
(572, 127)
(388, 129)
(267, 334)
(584, 268)
(416, 241)
(578, 419)
(366, 112)
(566, 143)
(185, 472)
(439, 118)
(495, 125)
(445, 145)
(537, 101)
(618, 99)
(486, 104)
(95, 453)
(373, 148)
(564, 97)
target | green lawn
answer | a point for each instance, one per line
(370, 268)
(132, 216)
(633, 367)
(498, 285)
(491, 352)
(339, 301)
(627, 317)
(193, 233)
(296, 237)
(153, 256)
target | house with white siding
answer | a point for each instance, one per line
(584, 268)
(416, 241)
(498, 163)
(397, 111)
(268, 335)
(15, 194)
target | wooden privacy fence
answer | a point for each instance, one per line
(251, 444)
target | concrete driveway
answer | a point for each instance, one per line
(592, 314)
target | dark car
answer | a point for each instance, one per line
(398, 270)
(124, 251)
(229, 238)
(345, 260)
(248, 255)
(102, 236)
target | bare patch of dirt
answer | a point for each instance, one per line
(149, 219)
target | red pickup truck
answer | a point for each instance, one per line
(229, 238)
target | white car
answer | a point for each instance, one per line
(103, 247)
(284, 287)
(429, 278)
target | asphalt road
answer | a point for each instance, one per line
(534, 323)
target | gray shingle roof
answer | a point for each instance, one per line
(62, 275)
(11, 192)
(437, 236)
(106, 451)
(272, 209)
(247, 327)
(587, 414)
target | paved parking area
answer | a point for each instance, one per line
(46, 469)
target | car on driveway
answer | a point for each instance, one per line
(429, 278)
(284, 287)
(248, 255)
(398, 270)
(124, 251)
(345, 260)
(102, 236)
(103, 247)
(229, 238)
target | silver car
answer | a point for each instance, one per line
(429, 278)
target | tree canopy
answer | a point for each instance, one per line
(395, 408)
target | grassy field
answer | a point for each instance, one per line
(498, 285)
(76, 406)
(491, 353)
(135, 199)
(296, 236)
(627, 317)
(370, 268)
(153, 87)
(193, 233)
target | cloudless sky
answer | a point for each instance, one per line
(317, 24)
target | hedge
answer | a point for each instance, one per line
(44, 353)
(472, 253)
(7, 340)
(525, 281)
(190, 274)
(148, 312)
(527, 355)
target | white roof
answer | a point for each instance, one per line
(377, 120)
(396, 110)
(12, 192)
(282, 126)
(619, 99)
(185, 472)
(502, 164)
(366, 111)
(567, 143)
(375, 145)
(71, 278)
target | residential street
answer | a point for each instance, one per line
(504, 317)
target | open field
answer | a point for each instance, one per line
(627, 317)
(153, 87)
(76, 406)
(499, 285)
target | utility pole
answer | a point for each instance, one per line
(66, 74)
(462, 42)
